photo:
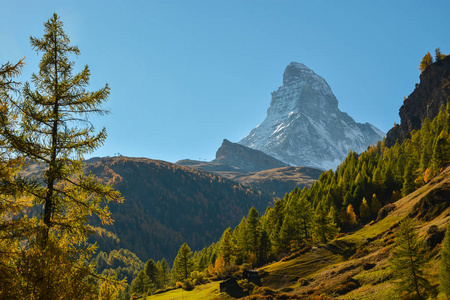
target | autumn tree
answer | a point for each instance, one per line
(426, 61)
(51, 127)
(183, 264)
(408, 260)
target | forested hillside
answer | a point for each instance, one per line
(167, 204)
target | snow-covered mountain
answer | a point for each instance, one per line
(304, 126)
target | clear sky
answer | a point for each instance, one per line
(184, 75)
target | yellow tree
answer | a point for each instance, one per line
(50, 126)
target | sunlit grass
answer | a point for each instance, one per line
(209, 291)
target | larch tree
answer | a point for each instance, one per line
(426, 61)
(49, 125)
(226, 246)
(324, 227)
(183, 264)
(408, 259)
(164, 273)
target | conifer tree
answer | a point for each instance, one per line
(426, 61)
(151, 271)
(408, 180)
(183, 264)
(51, 127)
(408, 260)
(227, 247)
(375, 205)
(324, 227)
(253, 228)
(441, 151)
(438, 55)
(164, 273)
(141, 284)
(364, 210)
(444, 274)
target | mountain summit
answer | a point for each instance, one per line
(304, 126)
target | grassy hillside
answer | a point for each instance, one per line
(356, 266)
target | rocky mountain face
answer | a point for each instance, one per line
(304, 126)
(430, 94)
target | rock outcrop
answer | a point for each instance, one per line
(430, 94)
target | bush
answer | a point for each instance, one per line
(264, 290)
(188, 285)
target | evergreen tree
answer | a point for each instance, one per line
(444, 274)
(141, 284)
(441, 151)
(164, 273)
(438, 55)
(183, 264)
(264, 247)
(151, 271)
(375, 205)
(408, 260)
(227, 247)
(426, 61)
(408, 180)
(364, 210)
(324, 227)
(252, 229)
(50, 126)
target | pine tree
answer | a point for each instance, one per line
(183, 264)
(444, 274)
(408, 260)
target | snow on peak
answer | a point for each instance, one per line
(304, 126)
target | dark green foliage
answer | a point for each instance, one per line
(444, 274)
(183, 264)
(227, 247)
(142, 285)
(164, 272)
(408, 259)
(324, 227)
(151, 271)
(204, 205)
(120, 263)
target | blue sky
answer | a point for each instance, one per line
(184, 75)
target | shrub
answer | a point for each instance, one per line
(188, 285)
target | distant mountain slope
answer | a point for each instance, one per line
(234, 157)
(167, 204)
(430, 94)
(304, 126)
(255, 168)
(279, 181)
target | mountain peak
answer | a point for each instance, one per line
(304, 126)
(296, 71)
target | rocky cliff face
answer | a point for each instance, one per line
(304, 126)
(430, 94)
